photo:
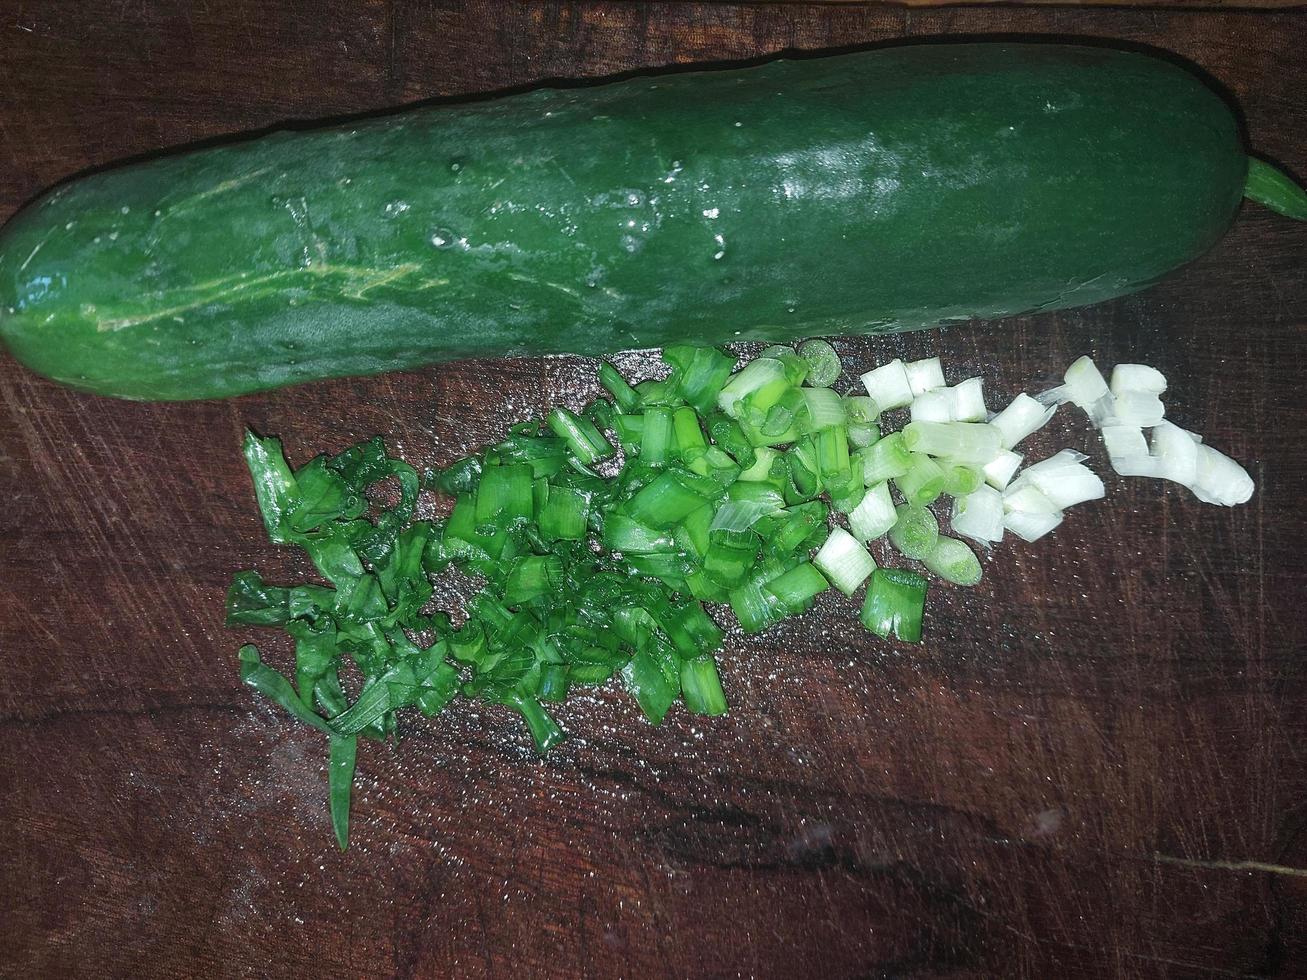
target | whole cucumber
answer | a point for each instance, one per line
(885, 190)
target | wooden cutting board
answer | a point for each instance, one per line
(1094, 766)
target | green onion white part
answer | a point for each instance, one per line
(953, 561)
(1177, 453)
(979, 515)
(1124, 441)
(844, 560)
(933, 406)
(1000, 470)
(1220, 480)
(960, 442)
(1085, 387)
(924, 375)
(1134, 407)
(875, 515)
(1062, 478)
(969, 401)
(888, 386)
(1031, 526)
(1137, 377)
(1027, 499)
(1022, 417)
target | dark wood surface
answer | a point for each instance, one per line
(1094, 766)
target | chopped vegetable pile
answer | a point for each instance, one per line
(600, 535)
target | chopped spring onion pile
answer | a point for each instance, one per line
(601, 534)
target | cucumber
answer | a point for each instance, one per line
(884, 190)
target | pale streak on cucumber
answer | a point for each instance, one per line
(1271, 187)
(186, 203)
(360, 280)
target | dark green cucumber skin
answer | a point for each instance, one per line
(884, 190)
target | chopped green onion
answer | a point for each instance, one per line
(979, 515)
(888, 386)
(796, 368)
(795, 589)
(763, 469)
(1022, 417)
(630, 431)
(505, 495)
(962, 480)
(875, 515)
(553, 683)
(953, 561)
(565, 514)
(628, 400)
(844, 560)
(726, 433)
(625, 534)
(933, 406)
(532, 577)
(847, 494)
(754, 607)
(885, 460)
(690, 443)
(895, 602)
(701, 687)
(583, 439)
(999, 471)
(823, 363)
(915, 532)
(671, 497)
(968, 401)
(822, 409)
(923, 482)
(656, 441)
(588, 574)
(832, 456)
(800, 523)
(961, 442)
(861, 408)
(730, 555)
(701, 372)
(924, 375)
(766, 375)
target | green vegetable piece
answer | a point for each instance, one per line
(915, 533)
(584, 441)
(689, 438)
(923, 482)
(626, 397)
(671, 497)
(755, 608)
(886, 459)
(657, 438)
(727, 434)
(342, 752)
(653, 678)
(953, 561)
(565, 515)
(274, 486)
(894, 605)
(700, 373)
(823, 363)
(962, 480)
(701, 687)
(504, 495)
(796, 589)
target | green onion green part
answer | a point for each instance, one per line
(724, 492)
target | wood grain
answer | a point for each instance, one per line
(1065, 780)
